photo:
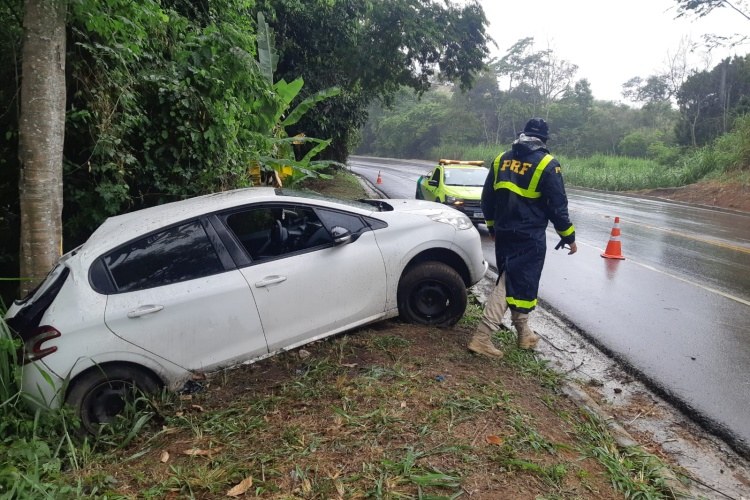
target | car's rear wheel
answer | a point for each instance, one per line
(103, 393)
(432, 293)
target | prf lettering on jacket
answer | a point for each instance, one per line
(515, 166)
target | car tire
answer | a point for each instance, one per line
(432, 293)
(101, 393)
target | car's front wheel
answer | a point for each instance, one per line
(432, 293)
(102, 393)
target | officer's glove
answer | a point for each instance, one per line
(570, 244)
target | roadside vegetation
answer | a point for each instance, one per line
(727, 159)
(390, 411)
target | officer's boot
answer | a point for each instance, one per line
(527, 339)
(481, 342)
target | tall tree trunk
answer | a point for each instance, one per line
(41, 134)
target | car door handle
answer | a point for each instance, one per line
(144, 310)
(270, 280)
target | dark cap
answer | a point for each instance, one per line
(536, 127)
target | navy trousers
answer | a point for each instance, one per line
(521, 257)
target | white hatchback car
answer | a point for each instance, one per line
(157, 295)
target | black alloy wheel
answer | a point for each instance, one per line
(432, 293)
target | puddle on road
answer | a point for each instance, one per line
(717, 471)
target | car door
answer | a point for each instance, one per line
(432, 185)
(180, 300)
(304, 283)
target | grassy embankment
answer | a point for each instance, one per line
(725, 160)
(393, 411)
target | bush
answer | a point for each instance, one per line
(664, 155)
(732, 151)
(635, 144)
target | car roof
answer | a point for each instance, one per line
(122, 228)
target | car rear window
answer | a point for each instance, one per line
(37, 301)
(177, 254)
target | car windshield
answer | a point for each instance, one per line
(465, 176)
(317, 196)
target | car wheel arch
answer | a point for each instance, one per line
(443, 255)
(109, 366)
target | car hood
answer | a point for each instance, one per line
(417, 207)
(465, 192)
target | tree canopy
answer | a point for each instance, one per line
(370, 49)
(679, 109)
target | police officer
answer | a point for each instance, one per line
(524, 191)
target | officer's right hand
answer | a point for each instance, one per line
(572, 246)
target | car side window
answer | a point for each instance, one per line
(177, 254)
(436, 175)
(271, 231)
(332, 218)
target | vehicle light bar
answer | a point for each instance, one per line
(476, 163)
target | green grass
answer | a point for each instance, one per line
(619, 173)
(342, 185)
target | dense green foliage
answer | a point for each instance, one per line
(178, 105)
(10, 48)
(370, 49)
(418, 127)
(710, 101)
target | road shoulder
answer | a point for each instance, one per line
(634, 414)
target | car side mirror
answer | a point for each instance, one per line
(432, 182)
(341, 235)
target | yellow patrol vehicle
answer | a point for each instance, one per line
(455, 183)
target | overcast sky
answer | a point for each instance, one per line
(610, 41)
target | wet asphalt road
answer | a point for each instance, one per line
(676, 311)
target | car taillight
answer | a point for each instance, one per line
(34, 345)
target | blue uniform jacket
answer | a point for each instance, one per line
(524, 191)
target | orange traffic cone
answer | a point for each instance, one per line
(379, 181)
(614, 247)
